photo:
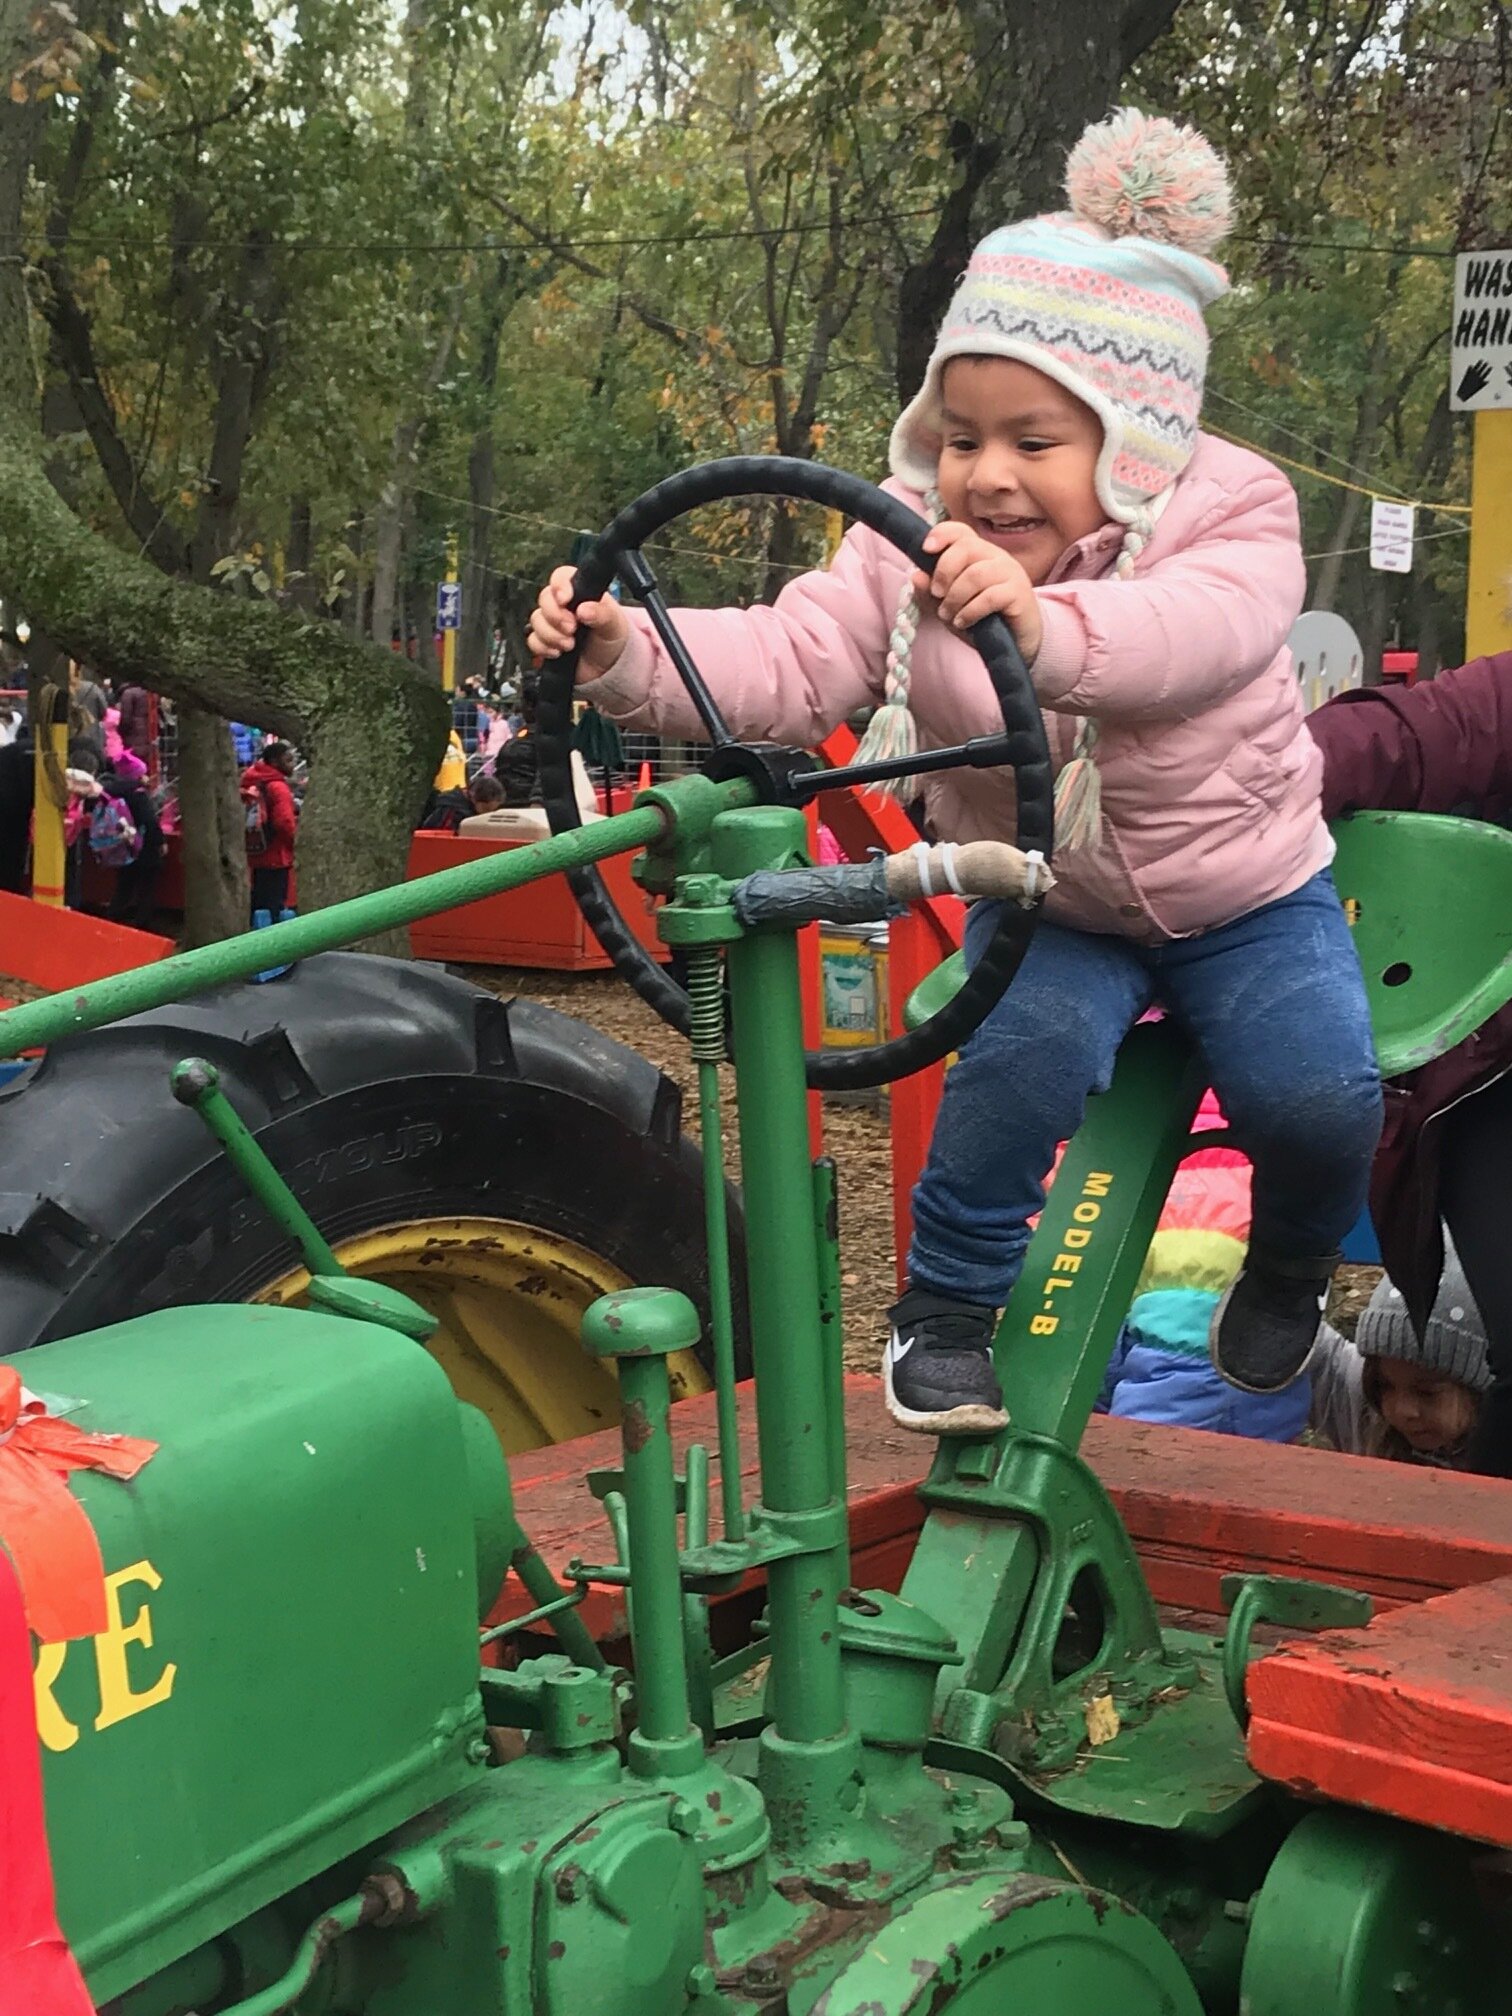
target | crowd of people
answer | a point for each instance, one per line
(120, 806)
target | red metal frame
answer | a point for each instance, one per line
(916, 944)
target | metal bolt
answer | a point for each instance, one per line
(761, 1977)
(963, 1799)
(1404, 1986)
(478, 1751)
(570, 1885)
(1239, 1910)
(1438, 1939)
(702, 1980)
(683, 1818)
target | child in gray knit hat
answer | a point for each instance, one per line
(1394, 1394)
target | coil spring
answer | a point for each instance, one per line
(706, 992)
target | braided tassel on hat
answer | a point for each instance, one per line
(1078, 795)
(892, 730)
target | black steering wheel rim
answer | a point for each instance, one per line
(787, 476)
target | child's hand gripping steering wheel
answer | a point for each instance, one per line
(783, 776)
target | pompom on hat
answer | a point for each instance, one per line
(1107, 298)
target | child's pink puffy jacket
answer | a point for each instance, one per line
(1210, 782)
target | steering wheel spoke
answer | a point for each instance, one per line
(1021, 746)
(634, 570)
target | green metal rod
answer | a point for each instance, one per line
(696, 1608)
(721, 1325)
(537, 1580)
(797, 1459)
(187, 973)
(831, 1323)
(309, 1958)
(664, 1742)
(196, 1083)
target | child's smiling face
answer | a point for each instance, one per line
(1432, 1413)
(1018, 459)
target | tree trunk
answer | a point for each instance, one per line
(372, 730)
(215, 848)
(478, 599)
(1367, 419)
(388, 532)
(299, 560)
(1063, 64)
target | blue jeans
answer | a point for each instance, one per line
(1275, 1003)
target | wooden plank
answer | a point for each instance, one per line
(1410, 1716)
(1198, 1506)
(57, 949)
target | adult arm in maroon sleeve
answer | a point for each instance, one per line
(1444, 746)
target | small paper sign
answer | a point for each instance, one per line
(1391, 529)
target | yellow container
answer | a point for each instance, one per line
(852, 990)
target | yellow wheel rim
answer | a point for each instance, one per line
(509, 1299)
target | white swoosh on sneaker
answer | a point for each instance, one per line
(898, 1348)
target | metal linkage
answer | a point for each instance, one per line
(706, 991)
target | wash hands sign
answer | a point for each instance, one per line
(1480, 357)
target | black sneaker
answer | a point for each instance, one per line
(938, 1366)
(1264, 1330)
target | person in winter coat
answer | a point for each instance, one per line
(1160, 1369)
(136, 882)
(86, 711)
(17, 786)
(135, 724)
(1395, 1392)
(1446, 1149)
(1150, 575)
(271, 824)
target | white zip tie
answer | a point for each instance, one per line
(947, 866)
(1037, 880)
(921, 851)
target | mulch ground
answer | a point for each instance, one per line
(19, 990)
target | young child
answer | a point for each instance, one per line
(1150, 575)
(1394, 1394)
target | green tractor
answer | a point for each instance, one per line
(283, 1779)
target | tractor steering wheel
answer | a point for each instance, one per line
(787, 776)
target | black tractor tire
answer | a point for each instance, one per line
(385, 1092)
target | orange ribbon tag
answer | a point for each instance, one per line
(45, 1529)
(38, 1975)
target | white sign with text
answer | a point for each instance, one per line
(1391, 527)
(1480, 355)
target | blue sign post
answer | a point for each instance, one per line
(448, 605)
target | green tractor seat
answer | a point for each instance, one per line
(1430, 900)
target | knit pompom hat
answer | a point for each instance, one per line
(1454, 1343)
(1107, 298)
